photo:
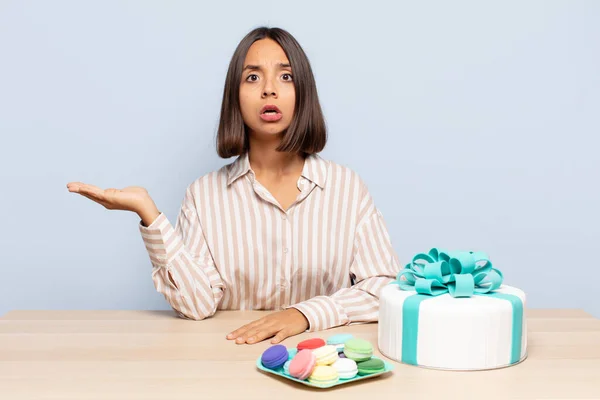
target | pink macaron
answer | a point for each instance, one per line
(303, 364)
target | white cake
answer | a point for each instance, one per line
(457, 333)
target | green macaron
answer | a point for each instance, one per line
(371, 366)
(358, 349)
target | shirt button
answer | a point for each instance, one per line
(285, 250)
(283, 217)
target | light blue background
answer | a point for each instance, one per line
(474, 125)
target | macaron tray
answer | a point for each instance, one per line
(322, 364)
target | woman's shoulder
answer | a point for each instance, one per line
(210, 182)
(339, 173)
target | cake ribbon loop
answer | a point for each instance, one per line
(459, 273)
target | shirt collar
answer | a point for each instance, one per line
(240, 167)
(315, 169)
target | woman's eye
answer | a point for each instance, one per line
(256, 76)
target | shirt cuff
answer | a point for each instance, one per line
(322, 312)
(161, 240)
(157, 221)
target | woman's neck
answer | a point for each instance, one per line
(268, 162)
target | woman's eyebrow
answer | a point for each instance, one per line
(258, 67)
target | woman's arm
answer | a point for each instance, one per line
(183, 268)
(375, 264)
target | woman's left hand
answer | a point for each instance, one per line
(282, 324)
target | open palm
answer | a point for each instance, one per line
(130, 198)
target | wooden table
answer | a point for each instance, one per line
(155, 355)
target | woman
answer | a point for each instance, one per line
(280, 228)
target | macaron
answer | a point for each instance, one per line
(326, 355)
(324, 375)
(358, 349)
(292, 351)
(286, 367)
(346, 368)
(311, 344)
(275, 356)
(339, 340)
(371, 366)
(342, 355)
(303, 364)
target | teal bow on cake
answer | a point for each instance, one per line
(459, 273)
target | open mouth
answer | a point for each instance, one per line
(270, 109)
(270, 113)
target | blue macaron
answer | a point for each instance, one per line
(286, 367)
(275, 356)
(339, 340)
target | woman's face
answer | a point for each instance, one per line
(267, 80)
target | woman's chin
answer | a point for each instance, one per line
(269, 131)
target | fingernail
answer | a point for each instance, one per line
(252, 339)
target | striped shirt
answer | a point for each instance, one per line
(235, 248)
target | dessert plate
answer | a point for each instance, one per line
(279, 371)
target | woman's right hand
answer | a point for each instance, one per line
(131, 198)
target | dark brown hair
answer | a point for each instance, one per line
(307, 132)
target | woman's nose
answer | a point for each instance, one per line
(267, 92)
(269, 89)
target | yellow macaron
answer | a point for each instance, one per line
(324, 375)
